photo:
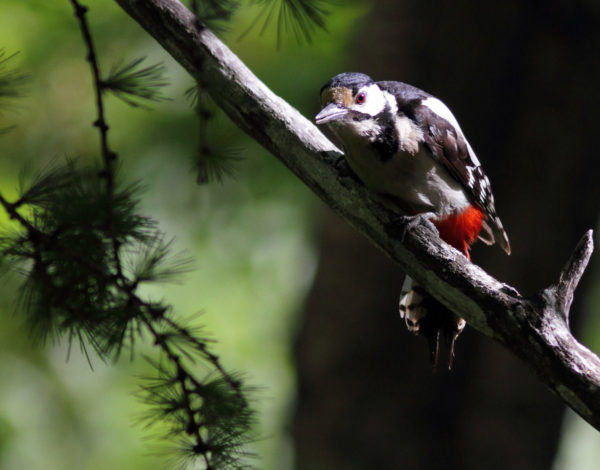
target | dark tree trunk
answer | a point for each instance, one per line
(522, 79)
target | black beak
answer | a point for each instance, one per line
(331, 112)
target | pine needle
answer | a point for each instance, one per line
(301, 18)
(132, 84)
(11, 79)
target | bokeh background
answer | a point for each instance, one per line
(298, 301)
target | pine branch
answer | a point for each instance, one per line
(108, 155)
(534, 328)
(76, 228)
(216, 414)
(214, 444)
(72, 290)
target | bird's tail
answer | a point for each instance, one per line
(423, 314)
(427, 317)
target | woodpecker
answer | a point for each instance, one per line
(407, 146)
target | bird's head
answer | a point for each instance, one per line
(350, 98)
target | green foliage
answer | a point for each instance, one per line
(214, 13)
(131, 83)
(154, 261)
(66, 252)
(211, 163)
(77, 226)
(10, 79)
(219, 437)
(69, 250)
(299, 17)
(11, 83)
(250, 235)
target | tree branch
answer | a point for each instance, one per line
(534, 328)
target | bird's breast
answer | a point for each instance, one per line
(418, 182)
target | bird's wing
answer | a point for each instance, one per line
(447, 144)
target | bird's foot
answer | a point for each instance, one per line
(402, 224)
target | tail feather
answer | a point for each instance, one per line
(425, 316)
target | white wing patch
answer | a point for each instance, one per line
(471, 179)
(439, 108)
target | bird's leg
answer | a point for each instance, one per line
(425, 316)
(402, 224)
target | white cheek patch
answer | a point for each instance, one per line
(442, 110)
(374, 103)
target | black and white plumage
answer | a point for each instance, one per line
(406, 145)
(396, 120)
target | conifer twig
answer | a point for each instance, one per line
(108, 156)
(76, 283)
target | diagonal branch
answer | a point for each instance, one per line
(535, 328)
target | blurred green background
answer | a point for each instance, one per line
(254, 238)
(250, 237)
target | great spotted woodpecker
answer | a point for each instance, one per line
(406, 145)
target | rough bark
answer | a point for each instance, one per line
(535, 328)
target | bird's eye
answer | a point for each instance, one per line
(360, 98)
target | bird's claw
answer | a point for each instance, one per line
(404, 223)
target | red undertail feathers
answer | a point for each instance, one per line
(462, 229)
